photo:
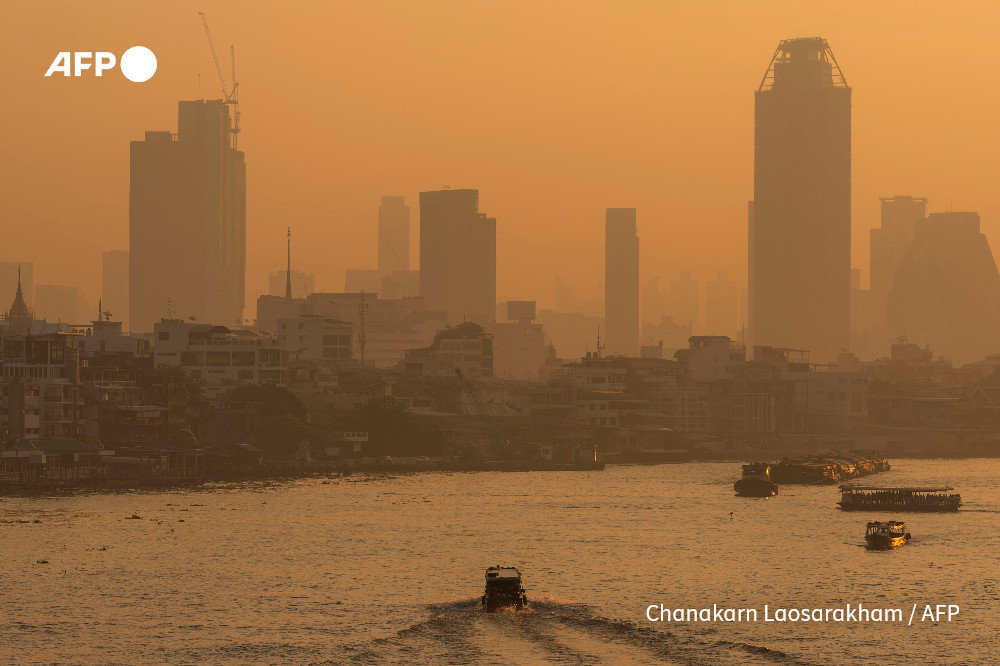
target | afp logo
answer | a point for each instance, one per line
(138, 64)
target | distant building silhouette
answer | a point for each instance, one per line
(800, 241)
(655, 301)
(621, 281)
(12, 272)
(722, 297)
(564, 297)
(114, 284)
(946, 291)
(393, 235)
(187, 221)
(888, 246)
(458, 250)
(685, 301)
(58, 302)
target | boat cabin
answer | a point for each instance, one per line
(892, 528)
(503, 588)
(758, 470)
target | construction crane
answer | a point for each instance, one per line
(476, 398)
(229, 95)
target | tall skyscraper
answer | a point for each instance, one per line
(458, 256)
(10, 272)
(187, 221)
(393, 235)
(722, 298)
(114, 284)
(800, 268)
(621, 281)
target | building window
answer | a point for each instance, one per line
(163, 335)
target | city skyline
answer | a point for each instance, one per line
(894, 154)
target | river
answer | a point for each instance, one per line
(389, 569)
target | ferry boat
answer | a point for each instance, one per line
(503, 589)
(881, 498)
(756, 481)
(886, 535)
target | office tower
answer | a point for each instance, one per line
(458, 256)
(800, 268)
(10, 273)
(685, 302)
(393, 235)
(114, 284)
(722, 297)
(946, 291)
(621, 282)
(187, 221)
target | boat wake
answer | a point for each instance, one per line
(551, 631)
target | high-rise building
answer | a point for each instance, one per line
(800, 268)
(621, 281)
(685, 301)
(946, 291)
(114, 284)
(458, 256)
(10, 273)
(187, 221)
(393, 235)
(722, 298)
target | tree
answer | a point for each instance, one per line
(394, 431)
(281, 418)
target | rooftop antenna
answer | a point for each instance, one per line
(288, 273)
(600, 347)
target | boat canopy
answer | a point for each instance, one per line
(900, 489)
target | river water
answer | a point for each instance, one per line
(389, 569)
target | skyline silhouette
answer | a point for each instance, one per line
(588, 152)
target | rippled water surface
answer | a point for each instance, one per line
(369, 569)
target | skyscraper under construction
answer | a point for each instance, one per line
(800, 220)
(187, 221)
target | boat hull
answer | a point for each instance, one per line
(494, 604)
(755, 488)
(880, 542)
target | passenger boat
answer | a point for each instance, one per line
(756, 481)
(880, 498)
(886, 535)
(503, 589)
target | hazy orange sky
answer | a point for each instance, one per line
(553, 110)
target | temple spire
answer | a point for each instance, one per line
(19, 315)
(288, 273)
